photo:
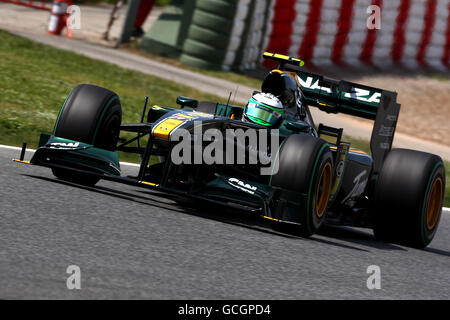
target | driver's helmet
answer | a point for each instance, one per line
(264, 109)
(282, 85)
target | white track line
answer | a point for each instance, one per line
(14, 148)
(447, 210)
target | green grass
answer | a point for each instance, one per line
(35, 80)
(232, 76)
(439, 76)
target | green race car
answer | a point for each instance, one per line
(268, 158)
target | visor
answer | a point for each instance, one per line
(262, 114)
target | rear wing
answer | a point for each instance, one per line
(334, 96)
(340, 96)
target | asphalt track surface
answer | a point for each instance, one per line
(130, 243)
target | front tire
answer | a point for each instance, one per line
(408, 198)
(92, 115)
(305, 166)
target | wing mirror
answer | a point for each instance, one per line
(187, 102)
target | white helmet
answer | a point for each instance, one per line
(264, 109)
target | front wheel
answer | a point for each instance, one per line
(408, 198)
(92, 115)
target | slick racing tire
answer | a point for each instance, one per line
(198, 62)
(408, 198)
(204, 51)
(306, 166)
(91, 115)
(212, 22)
(220, 8)
(204, 35)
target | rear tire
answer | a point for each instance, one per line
(91, 115)
(408, 198)
(305, 166)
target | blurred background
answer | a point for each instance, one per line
(209, 48)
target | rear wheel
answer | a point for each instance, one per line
(91, 115)
(305, 166)
(408, 198)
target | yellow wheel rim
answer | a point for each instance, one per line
(323, 190)
(434, 203)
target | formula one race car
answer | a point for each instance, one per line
(293, 173)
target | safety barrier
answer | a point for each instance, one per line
(215, 33)
(224, 34)
(254, 39)
(57, 9)
(413, 33)
(41, 4)
(58, 18)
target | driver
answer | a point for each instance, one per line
(264, 109)
(281, 97)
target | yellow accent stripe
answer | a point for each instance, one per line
(20, 161)
(324, 104)
(164, 128)
(351, 150)
(277, 71)
(281, 56)
(301, 63)
(202, 114)
(149, 183)
(270, 218)
(185, 116)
